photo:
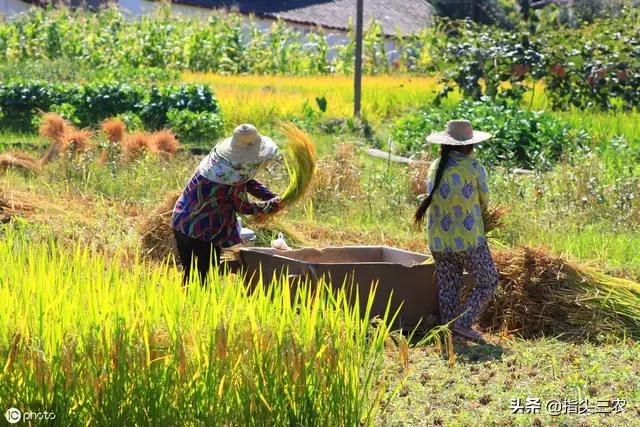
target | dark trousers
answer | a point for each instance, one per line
(196, 253)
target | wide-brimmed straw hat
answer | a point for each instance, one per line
(459, 132)
(246, 146)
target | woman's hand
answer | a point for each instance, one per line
(269, 205)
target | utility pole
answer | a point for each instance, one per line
(357, 81)
(474, 10)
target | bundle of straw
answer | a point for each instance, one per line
(76, 140)
(300, 159)
(541, 294)
(493, 218)
(115, 129)
(54, 127)
(136, 145)
(165, 144)
(19, 161)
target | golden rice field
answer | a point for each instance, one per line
(260, 99)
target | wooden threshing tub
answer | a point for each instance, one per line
(399, 275)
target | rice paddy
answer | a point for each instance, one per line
(99, 312)
(261, 99)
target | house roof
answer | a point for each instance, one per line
(407, 16)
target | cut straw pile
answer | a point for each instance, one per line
(12, 204)
(20, 161)
(541, 294)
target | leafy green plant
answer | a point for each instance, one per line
(69, 44)
(596, 66)
(521, 138)
(90, 103)
(195, 127)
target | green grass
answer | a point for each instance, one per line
(477, 392)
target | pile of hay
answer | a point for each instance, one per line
(20, 161)
(156, 234)
(12, 204)
(158, 243)
(541, 294)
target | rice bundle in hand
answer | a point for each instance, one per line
(300, 159)
(493, 217)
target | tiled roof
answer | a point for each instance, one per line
(408, 16)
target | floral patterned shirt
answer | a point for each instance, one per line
(454, 218)
(207, 210)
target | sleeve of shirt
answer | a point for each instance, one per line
(431, 175)
(259, 191)
(242, 205)
(483, 187)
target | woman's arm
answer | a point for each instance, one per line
(256, 189)
(483, 188)
(270, 202)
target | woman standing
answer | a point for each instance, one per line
(204, 218)
(457, 196)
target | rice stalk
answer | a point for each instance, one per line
(300, 159)
(215, 356)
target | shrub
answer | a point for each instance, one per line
(521, 138)
(191, 126)
(596, 66)
(87, 105)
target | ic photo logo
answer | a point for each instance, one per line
(15, 415)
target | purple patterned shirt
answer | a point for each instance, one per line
(207, 210)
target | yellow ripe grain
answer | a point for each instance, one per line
(261, 99)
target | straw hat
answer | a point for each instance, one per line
(459, 132)
(246, 146)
